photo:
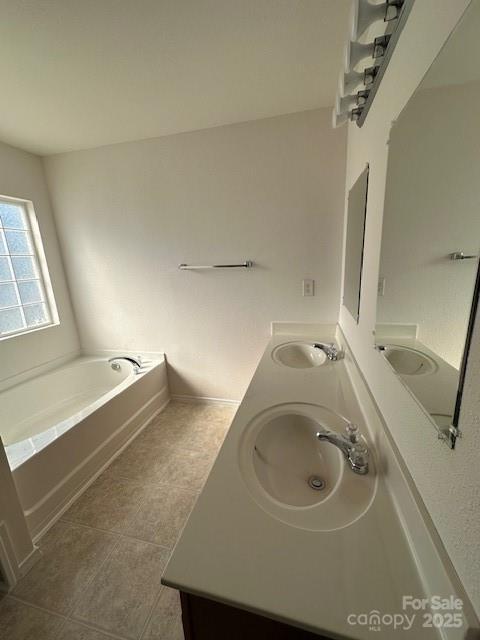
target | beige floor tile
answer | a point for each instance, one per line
(75, 631)
(176, 409)
(167, 433)
(143, 461)
(162, 514)
(187, 469)
(166, 620)
(20, 621)
(207, 435)
(71, 557)
(109, 503)
(195, 426)
(122, 595)
(191, 440)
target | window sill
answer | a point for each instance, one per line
(22, 333)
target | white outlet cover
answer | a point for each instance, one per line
(308, 287)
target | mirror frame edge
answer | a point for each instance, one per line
(366, 170)
(453, 430)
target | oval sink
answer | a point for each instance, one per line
(297, 478)
(407, 361)
(298, 355)
(292, 465)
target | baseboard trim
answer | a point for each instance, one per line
(29, 561)
(204, 400)
(64, 505)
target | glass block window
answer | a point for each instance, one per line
(26, 300)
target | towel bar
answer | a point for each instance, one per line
(244, 265)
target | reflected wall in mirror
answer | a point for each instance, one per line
(357, 207)
(431, 228)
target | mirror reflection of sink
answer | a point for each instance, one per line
(298, 355)
(297, 478)
(407, 361)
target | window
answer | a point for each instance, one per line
(26, 297)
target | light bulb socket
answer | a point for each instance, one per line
(355, 114)
(369, 75)
(362, 97)
(393, 9)
(380, 45)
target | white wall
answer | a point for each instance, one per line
(269, 190)
(431, 210)
(22, 176)
(448, 481)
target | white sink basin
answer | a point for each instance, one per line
(298, 355)
(288, 456)
(295, 477)
(407, 361)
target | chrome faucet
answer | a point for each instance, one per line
(330, 350)
(135, 360)
(351, 445)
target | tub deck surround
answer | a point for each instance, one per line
(233, 551)
(39, 410)
(71, 422)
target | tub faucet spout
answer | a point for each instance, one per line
(136, 361)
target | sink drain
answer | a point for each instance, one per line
(316, 483)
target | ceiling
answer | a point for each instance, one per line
(84, 73)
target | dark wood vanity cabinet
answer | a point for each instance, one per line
(205, 619)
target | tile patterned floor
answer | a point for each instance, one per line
(99, 577)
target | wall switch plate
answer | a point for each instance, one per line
(308, 287)
(381, 287)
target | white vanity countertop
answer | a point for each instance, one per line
(234, 552)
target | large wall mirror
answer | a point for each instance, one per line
(356, 212)
(428, 280)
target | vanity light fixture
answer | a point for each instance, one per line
(365, 14)
(357, 87)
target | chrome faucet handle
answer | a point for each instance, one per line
(353, 432)
(358, 457)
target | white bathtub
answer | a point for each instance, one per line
(61, 428)
(35, 413)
